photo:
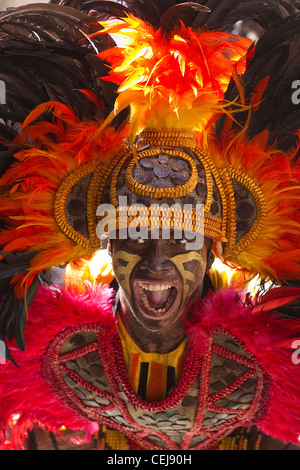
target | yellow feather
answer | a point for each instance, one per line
(141, 51)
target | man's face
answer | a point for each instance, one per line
(158, 279)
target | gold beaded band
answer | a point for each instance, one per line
(167, 138)
(160, 217)
(60, 204)
(229, 216)
(211, 172)
(260, 202)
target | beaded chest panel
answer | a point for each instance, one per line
(216, 392)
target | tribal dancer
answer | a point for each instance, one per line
(155, 132)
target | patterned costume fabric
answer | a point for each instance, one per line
(151, 375)
(176, 423)
(240, 439)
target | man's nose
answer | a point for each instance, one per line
(156, 259)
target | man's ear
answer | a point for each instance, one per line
(109, 247)
(210, 260)
(210, 255)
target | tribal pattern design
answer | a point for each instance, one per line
(215, 393)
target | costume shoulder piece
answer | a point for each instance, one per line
(232, 376)
(237, 371)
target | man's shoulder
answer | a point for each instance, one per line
(78, 341)
(74, 368)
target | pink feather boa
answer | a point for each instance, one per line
(269, 339)
(26, 398)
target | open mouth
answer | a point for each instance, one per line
(155, 299)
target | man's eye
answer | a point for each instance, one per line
(181, 241)
(139, 241)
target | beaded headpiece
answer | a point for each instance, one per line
(179, 154)
(167, 165)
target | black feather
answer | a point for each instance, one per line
(93, 7)
(5, 352)
(43, 55)
(291, 309)
(220, 14)
(277, 56)
(13, 312)
(225, 13)
(46, 54)
(185, 12)
(14, 263)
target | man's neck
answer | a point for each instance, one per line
(162, 341)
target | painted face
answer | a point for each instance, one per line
(157, 278)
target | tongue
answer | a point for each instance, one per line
(158, 297)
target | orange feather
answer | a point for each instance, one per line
(31, 183)
(186, 71)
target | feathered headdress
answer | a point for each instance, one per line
(175, 83)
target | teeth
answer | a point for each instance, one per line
(155, 286)
(146, 303)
